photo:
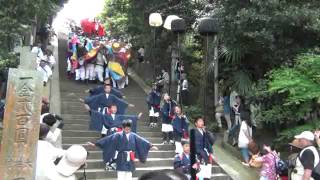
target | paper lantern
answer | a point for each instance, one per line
(155, 20)
(178, 25)
(169, 19)
(208, 26)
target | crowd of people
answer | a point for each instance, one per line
(92, 59)
(303, 163)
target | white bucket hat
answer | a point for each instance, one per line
(305, 135)
(74, 158)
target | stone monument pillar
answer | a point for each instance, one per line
(21, 121)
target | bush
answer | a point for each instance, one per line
(192, 112)
(287, 135)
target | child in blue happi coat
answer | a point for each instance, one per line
(124, 147)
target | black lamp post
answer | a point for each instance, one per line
(155, 20)
(207, 27)
(178, 26)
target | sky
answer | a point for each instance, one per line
(77, 10)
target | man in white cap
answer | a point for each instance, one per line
(307, 161)
(74, 159)
(47, 156)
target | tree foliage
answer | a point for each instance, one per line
(17, 17)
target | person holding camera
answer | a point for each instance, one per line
(55, 123)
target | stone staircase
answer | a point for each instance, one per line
(76, 129)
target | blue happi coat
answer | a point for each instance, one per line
(182, 163)
(119, 144)
(101, 101)
(100, 90)
(167, 111)
(154, 99)
(203, 145)
(99, 119)
(180, 125)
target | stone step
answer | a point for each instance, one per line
(86, 127)
(83, 140)
(161, 147)
(86, 121)
(102, 174)
(74, 111)
(151, 162)
(152, 154)
(80, 133)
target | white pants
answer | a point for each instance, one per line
(99, 72)
(121, 83)
(80, 73)
(68, 65)
(114, 83)
(90, 73)
(124, 175)
(179, 148)
(107, 73)
(227, 118)
(127, 80)
(46, 72)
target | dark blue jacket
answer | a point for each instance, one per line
(203, 145)
(180, 125)
(182, 163)
(167, 112)
(154, 99)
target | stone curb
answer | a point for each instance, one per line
(54, 96)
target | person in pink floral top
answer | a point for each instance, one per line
(268, 160)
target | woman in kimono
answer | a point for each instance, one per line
(167, 113)
(154, 99)
(126, 146)
(180, 129)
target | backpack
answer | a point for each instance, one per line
(281, 167)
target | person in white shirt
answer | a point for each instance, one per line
(245, 136)
(44, 67)
(141, 53)
(57, 164)
(51, 59)
(185, 90)
(56, 125)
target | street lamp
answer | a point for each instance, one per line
(208, 27)
(155, 20)
(168, 21)
(178, 26)
(167, 25)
